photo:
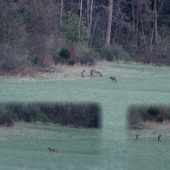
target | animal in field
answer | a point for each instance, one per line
(82, 73)
(159, 138)
(97, 73)
(113, 79)
(137, 137)
(52, 149)
(91, 72)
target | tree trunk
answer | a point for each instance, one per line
(142, 26)
(115, 32)
(156, 22)
(88, 14)
(133, 13)
(150, 46)
(155, 27)
(89, 17)
(137, 24)
(109, 25)
(81, 4)
(94, 28)
(61, 11)
(91, 12)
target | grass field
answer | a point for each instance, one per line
(26, 145)
(147, 152)
(109, 148)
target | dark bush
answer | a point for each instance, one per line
(32, 113)
(65, 53)
(41, 117)
(68, 114)
(27, 112)
(5, 116)
(35, 61)
(61, 56)
(6, 120)
(94, 115)
(76, 115)
(153, 111)
(56, 57)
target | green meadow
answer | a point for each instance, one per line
(113, 146)
(147, 152)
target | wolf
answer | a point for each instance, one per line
(82, 73)
(97, 73)
(91, 72)
(137, 137)
(159, 138)
(52, 149)
(113, 78)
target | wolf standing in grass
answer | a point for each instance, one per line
(91, 72)
(52, 149)
(137, 137)
(82, 73)
(159, 138)
(97, 73)
(113, 79)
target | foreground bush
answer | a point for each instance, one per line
(5, 116)
(69, 114)
(139, 114)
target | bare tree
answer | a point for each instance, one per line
(156, 22)
(109, 24)
(80, 18)
(91, 11)
(61, 11)
(88, 14)
(89, 17)
(134, 26)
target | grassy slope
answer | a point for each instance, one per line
(137, 84)
(26, 146)
(147, 152)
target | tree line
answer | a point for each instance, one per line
(33, 32)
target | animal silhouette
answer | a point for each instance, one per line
(97, 73)
(91, 72)
(52, 149)
(159, 138)
(113, 79)
(82, 73)
(137, 137)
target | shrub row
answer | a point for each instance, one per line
(83, 57)
(71, 114)
(80, 54)
(139, 114)
(86, 56)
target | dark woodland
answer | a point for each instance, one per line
(40, 33)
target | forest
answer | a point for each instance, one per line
(41, 33)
